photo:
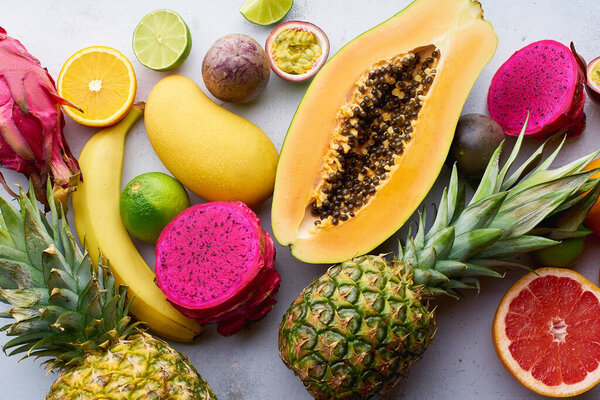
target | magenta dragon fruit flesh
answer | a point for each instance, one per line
(215, 264)
(31, 122)
(542, 80)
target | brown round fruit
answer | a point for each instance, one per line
(476, 139)
(297, 50)
(235, 68)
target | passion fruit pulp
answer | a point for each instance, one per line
(297, 50)
(593, 79)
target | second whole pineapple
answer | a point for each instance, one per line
(355, 331)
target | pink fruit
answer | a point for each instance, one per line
(543, 79)
(31, 123)
(215, 264)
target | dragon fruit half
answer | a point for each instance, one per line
(31, 122)
(545, 81)
(215, 264)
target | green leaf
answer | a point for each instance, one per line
(442, 241)
(410, 254)
(71, 320)
(478, 270)
(64, 298)
(419, 238)
(27, 338)
(453, 194)
(12, 253)
(479, 214)
(51, 313)
(539, 176)
(488, 181)
(14, 223)
(516, 245)
(58, 278)
(469, 244)
(427, 258)
(525, 168)
(24, 313)
(421, 276)
(36, 240)
(21, 297)
(441, 216)
(511, 157)
(450, 268)
(546, 164)
(20, 273)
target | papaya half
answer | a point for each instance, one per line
(372, 132)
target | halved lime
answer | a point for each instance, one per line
(162, 40)
(265, 12)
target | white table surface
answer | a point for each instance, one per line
(461, 362)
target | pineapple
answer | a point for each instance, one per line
(355, 331)
(72, 313)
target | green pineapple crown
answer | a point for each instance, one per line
(532, 208)
(62, 306)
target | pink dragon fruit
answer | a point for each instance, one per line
(215, 264)
(31, 122)
(545, 81)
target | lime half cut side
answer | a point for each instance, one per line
(265, 12)
(162, 40)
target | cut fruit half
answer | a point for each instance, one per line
(101, 82)
(265, 12)
(593, 79)
(373, 130)
(162, 40)
(297, 50)
(547, 332)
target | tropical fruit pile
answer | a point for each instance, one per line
(366, 144)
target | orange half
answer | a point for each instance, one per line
(547, 332)
(101, 82)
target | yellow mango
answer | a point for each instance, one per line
(216, 154)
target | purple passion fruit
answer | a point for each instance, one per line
(297, 50)
(593, 79)
(235, 68)
(476, 138)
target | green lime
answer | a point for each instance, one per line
(265, 12)
(562, 255)
(149, 202)
(162, 40)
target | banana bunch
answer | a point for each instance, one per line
(98, 222)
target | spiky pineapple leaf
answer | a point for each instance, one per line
(61, 304)
(523, 212)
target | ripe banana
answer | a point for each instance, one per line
(98, 222)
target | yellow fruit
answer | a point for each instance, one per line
(218, 155)
(101, 82)
(98, 221)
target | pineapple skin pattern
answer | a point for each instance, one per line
(139, 367)
(354, 332)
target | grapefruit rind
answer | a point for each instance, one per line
(502, 342)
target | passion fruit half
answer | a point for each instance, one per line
(593, 79)
(297, 50)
